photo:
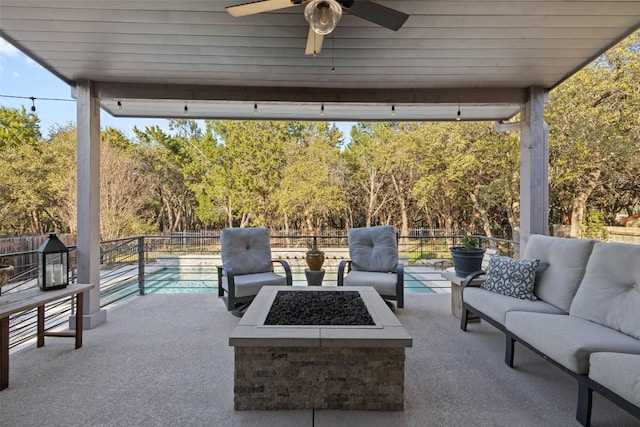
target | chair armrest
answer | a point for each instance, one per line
(231, 284)
(471, 277)
(400, 285)
(287, 270)
(344, 263)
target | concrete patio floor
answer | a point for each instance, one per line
(164, 360)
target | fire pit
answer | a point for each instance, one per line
(337, 361)
(319, 308)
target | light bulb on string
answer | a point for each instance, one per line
(119, 106)
(458, 116)
(186, 110)
(33, 104)
(322, 110)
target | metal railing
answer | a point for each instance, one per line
(139, 265)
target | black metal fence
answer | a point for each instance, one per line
(187, 263)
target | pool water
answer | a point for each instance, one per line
(181, 281)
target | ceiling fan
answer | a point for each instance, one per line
(323, 15)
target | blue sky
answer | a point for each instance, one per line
(21, 76)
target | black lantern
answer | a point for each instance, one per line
(53, 264)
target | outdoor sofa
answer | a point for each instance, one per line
(582, 313)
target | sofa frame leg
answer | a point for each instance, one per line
(509, 349)
(585, 396)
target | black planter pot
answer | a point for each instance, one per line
(466, 262)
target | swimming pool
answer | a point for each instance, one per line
(197, 281)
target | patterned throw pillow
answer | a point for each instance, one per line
(512, 277)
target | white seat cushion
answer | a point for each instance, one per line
(567, 261)
(246, 250)
(568, 340)
(250, 284)
(619, 372)
(373, 248)
(496, 306)
(384, 283)
(610, 290)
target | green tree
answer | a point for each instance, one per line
(311, 185)
(593, 127)
(368, 182)
(17, 127)
(249, 164)
(162, 158)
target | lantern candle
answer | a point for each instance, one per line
(57, 272)
(50, 281)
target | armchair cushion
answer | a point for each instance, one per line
(246, 250)
(511, 277)
(250, 284)
(384, 283)
(373, 248)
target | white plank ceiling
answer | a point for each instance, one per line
(156, 56)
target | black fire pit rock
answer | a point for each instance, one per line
(319, 308)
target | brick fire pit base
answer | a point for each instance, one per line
(319, 378)
(319, 367)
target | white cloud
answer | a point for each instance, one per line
(15, 74)
(7, 49)
(30, 62)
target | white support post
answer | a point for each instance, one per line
(88, 243)
(534, 167)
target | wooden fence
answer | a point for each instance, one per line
(624, 234)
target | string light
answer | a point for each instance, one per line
(255, 109)
(39, 99)
(458, 116)
(186, 110)
(119, 106)
(393, 110)
(322, 110)
(33, 100)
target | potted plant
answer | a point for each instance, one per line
(5, 271)
(314, 256)
(467, 257)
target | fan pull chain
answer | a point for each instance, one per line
(333, 51)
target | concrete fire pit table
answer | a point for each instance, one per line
(319, 366)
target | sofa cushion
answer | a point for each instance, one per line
(373, 248)
(497, 306)
(568, 340)
(567, 261)
(246, 250)
(610, 290)
(511, 277)
(619, 372)
(384, 283)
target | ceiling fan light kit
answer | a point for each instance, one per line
(323, 15)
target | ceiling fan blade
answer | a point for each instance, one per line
(376, 13)
(314, 43)
(259, 7)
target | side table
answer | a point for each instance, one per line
(456, 293)
(314, 277)
(35, 298)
